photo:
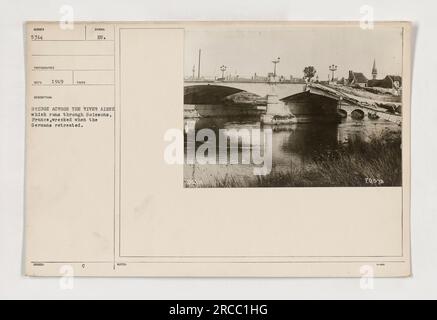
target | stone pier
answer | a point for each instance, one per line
(277, 112)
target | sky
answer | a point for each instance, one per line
(249, 50)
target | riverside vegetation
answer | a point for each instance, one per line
(376, 161)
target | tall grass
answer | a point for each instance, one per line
(354, 164)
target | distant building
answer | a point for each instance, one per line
(342, 81)
(374, 71)
(389, 82)
(357, 79)
(279, 78)
(260, 78)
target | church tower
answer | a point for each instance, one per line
(374, 70)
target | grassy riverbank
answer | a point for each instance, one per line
(375, 162)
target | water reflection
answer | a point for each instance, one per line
(294, 146)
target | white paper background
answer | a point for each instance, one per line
(424, 149)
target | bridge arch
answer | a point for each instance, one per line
(358, 114)
(208, 93)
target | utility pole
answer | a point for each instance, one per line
(194, 72)
(198, 67)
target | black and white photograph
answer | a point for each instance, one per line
(297, 106)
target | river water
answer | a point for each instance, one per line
(294, 146)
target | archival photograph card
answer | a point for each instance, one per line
(218, 149)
